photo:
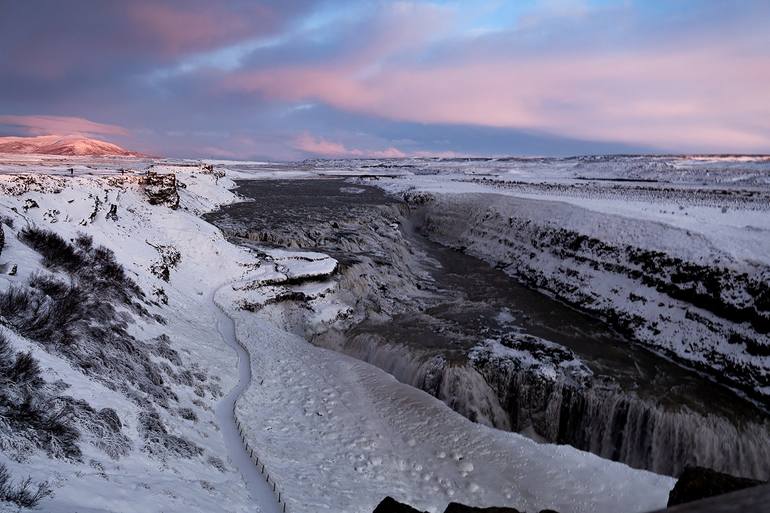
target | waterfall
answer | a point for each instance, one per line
(592, 415)
(618, 425)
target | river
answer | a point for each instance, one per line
(637, 406)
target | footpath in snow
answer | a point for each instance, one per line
(261, 493)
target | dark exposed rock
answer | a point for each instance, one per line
(455, 507)
(698, 483)
(160, 189)
(169, 259)
(391, 505)
(209, 169)
(30, 203)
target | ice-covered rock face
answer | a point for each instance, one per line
(520, 352)
(360, 231)
(691, 301)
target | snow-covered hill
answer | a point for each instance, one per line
(62, 145)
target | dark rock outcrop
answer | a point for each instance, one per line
(161, 189)
(391, 505)
(698, 483)
(209, 169)
(455, 507)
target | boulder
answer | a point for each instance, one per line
(698, 483)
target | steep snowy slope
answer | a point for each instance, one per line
(172, 457)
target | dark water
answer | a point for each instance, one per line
(657, 415)
(494, 302)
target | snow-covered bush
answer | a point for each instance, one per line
(159, 442)
(95, 266)
(30, 414)
(24, 494)
(86, 319)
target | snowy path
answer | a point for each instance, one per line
(260, 491)
(340, 435)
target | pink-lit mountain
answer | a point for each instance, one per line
(63, 145)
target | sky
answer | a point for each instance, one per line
(295, 79)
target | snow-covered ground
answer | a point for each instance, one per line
(80, 204)
(334, 433)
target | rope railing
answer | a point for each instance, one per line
(249, 449)
(259, 464)
(253, 454)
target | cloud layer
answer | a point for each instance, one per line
(290, 79)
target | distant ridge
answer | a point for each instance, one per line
(63, 145)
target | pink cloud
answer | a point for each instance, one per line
(190, 27)
(60, 125)
(92, 38)
(323, 147)
(693, 99)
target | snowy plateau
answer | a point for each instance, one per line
(178, 336)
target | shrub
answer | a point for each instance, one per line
(17, 368)
(187, 414)
(85, 318)
(80, 318)
(94, 267)
(49, 310)
(14, 302)
(6, 220)
(159, 442)
(23, 494)
(28, 408)
(217, 463)
(24, 369)
(55, 250)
